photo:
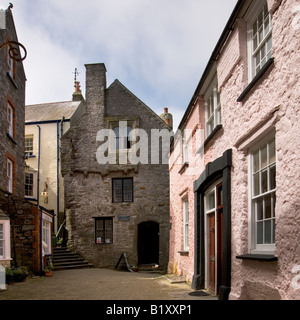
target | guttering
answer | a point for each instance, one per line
(214, 57)
(44, 122)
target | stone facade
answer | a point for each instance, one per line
(19, 220)
(140, 226)
(255, 112)
(12, 94)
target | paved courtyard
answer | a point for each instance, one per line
(99, 284)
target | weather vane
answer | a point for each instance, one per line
(76, 73)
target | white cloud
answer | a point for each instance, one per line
(158, 49)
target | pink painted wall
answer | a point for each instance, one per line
(181, 187)
(273, 104)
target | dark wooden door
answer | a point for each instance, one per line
(148, 243)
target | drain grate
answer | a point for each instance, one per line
(198, 294)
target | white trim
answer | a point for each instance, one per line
(250, 17)
(10, 119)
(6, 237)
(212, 93)
(253, 247)
(185, 207)
(9, 175)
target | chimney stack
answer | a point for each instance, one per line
(77, 95)
(167, 118)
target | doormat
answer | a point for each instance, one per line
(199, 293)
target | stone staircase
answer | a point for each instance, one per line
(63, 259)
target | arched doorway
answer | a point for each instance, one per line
(148, 243)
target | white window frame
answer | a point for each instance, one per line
(28, 146)
(9, 175)
(213, 109)
(263, 45)
(6, 255)
(10, 119)
(46, 233)
(254, 247)
(33, 184)
(185, 209)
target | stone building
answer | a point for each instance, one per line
(116, 206)
(242, 210)
(20, 236)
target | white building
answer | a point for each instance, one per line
(44, 126)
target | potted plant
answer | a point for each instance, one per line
(135, 268)
(48, 271)
(20, 274)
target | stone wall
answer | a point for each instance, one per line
(88, 185)
(12, 91)
(24, 231)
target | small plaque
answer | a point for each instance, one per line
(124, 218)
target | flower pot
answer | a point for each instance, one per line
(48, 273)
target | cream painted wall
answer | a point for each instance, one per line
(48, 164)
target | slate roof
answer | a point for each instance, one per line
(50, 111)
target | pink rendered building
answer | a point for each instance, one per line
(235, 174)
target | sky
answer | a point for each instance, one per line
(158, 49)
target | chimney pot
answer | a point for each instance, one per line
(165, 110)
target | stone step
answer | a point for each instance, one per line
(63, 258)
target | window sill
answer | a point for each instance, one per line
(183, 253)
(12, 80)
(182, 169)
(258, 257)
(209, 138)
(11, 138)
(256, 79)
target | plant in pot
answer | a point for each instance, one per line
(48, 271)
(20, 274)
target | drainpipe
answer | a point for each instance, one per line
(38, 202)
(57, 176)
(39, 160)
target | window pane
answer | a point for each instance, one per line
(108, 231)
(256, 184)
(264, 157)
(268, 207)
(273, 205)
(259, 233)
(264, 181)
(268, 232)
(272, 152)
(117, 190)
(273, 233)
(259, 209)
(1, 231)
(211, 201)
(256, 161)
(272, 177)
(267, 24)
(127, 190)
